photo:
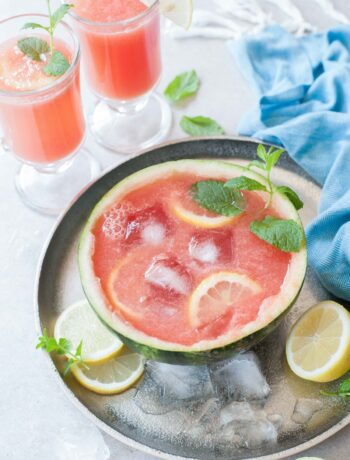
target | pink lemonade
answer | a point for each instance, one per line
(42, 120)
(150, 259)
(121, 45)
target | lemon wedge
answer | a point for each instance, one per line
(113, 376)
(200, 220)
(217, 293)
(80, 323)
(318, 346)
(178, 11)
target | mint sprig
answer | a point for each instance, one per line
(201, 126)
(62, 347)
(342, 391)
(57, 65)
(291, 195)
(245, 183)
(285, 235)
(35, 47)
(184, 85)
(215, 197)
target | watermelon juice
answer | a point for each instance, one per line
(121, 45)
(179, 273)
(41, 116)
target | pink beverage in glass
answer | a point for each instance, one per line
(41, 117)
(122, 61)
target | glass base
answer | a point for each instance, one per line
(50, 189)
(128, 127)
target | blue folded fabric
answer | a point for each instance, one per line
(303, 86)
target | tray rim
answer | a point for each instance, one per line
(69, 393)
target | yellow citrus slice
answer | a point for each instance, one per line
(113, 376)
(318, 346)
(80, 323)
(217, 294)
(200, 220)
(178, 11)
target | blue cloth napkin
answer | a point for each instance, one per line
(303, 86)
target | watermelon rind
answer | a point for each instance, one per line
(204, 351)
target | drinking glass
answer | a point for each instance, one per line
(123, 65)
(45, 128)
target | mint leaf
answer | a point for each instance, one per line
(59, 14)
(256, 164)
(57, 65)
(245, 183)
(292, 196)
(33, 47)
(201, 126)
(34, 25)
(261, 152)
(213, 196)
(184, 85)
(344, 387)
(285, 235)
(273, 157)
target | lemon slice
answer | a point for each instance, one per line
(79, 322)
(217, 293)
(200, 220)
(178, 11)
(318, 346)
(113, 376)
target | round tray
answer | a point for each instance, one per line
(58, 285)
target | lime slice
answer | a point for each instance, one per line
(113, 376)
(217, 293)
(178, 11)
(79, 322)
(318, 346)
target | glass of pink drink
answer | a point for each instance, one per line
(41, 118)
(121, 50)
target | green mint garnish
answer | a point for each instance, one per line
(57, 65)
(268, 160)
(215, 197)
(184, 85)
(201, 126)
(291, 195)
(62, 347)
(245, 183)
(342, 391)
(285, 235)
(33, 47)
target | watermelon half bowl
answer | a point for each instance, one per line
(125, 266)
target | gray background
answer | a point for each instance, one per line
(32, 407)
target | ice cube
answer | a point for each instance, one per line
(168, 274)
(239, 379)
(153, 233)
(304, 409)
(180, 382)
(211, 246)
(202, 417)
(245, 426)
(80, 442)
(204, 251)
(236, 411)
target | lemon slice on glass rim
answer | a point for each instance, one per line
(178, 11)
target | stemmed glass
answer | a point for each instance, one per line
(45, 127)
(123, 65)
